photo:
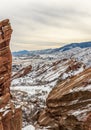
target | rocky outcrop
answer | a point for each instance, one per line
(38, 83)
(10, 118)
(10, 115)
(23, 72)
(5, 61)
(69, 104)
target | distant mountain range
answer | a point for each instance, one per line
(50, 51)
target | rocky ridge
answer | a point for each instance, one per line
(69, 104)
(23, 72)
(32, 89)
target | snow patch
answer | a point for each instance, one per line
(30, 127)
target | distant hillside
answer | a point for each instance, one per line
(74, 45)
(23, 52)
(49, 51)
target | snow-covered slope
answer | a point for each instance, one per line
(51, 51)
(47, 70)
(69, 104)
(30, 127)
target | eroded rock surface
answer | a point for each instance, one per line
(69, 104)
(10, 115)
(5, 61)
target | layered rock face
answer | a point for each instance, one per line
(69, 104)
(10, 116)
(5, 61)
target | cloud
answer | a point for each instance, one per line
(47, 24)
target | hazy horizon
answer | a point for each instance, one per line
(50, 48)
(39, 24)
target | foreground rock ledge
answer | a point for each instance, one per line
(10, 115)
(69, 104)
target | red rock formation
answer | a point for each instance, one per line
(69, 104)
(23, 72)
(10, 116)
(5, 61)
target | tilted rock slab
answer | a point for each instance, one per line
(10, 115)
(69, 104)
(23, 72)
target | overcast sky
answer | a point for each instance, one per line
(41, 24)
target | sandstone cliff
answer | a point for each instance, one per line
(10, 115)
(69, 104)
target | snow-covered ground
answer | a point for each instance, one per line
(46, 71)
(30, 127)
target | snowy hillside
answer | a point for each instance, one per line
(47, 71)
(52, 51)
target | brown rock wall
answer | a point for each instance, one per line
(10, 115)
(69, 104)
